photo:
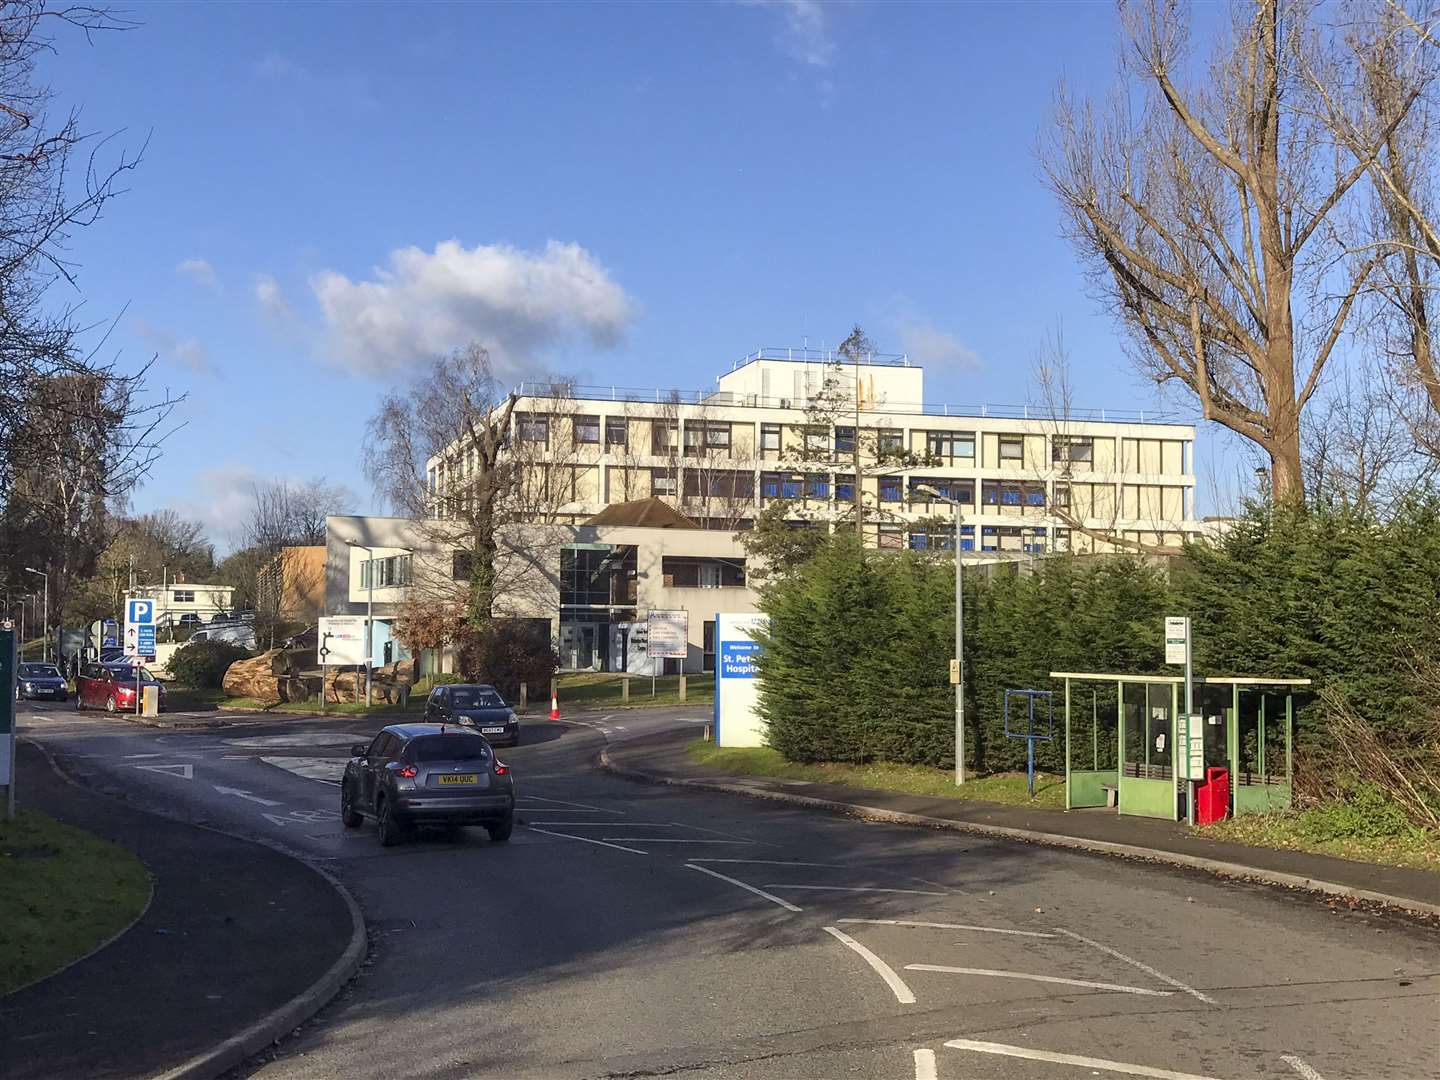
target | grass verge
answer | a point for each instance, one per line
(1009, 788)
(1419, 849)
(62, 892)
(415, 709)
(600, 690)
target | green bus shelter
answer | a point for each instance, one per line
(1121, 732)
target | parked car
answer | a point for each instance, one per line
(189, 619)
(112, 687)
(475, 705)
(35, 681)
(234, 634)
(426, 774)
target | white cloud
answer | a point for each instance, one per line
(189, 352)
(199, 272)
(221, 499)
(805, 35)
(271, 299)
(515, 303)
(929, 345)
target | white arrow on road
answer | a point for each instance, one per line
(245, 795)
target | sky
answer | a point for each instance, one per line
(633, 194)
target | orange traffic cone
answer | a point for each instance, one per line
(554, 706)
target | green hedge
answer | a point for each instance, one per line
(203, 663)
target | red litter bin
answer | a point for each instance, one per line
(1212, 797)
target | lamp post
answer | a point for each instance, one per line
(959, 635)
(45, 619)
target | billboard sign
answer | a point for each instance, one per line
(669, 634)
(341, 640)
(737, 683)
(140, 628)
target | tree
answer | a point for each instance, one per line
(1207, 220)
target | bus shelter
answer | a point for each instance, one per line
(1121, 732)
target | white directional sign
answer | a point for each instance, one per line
(342, 640)
(669, 634)
(140, 629)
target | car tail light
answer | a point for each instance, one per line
(501, 769)
(409, 772)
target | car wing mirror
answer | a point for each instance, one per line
(359, 750)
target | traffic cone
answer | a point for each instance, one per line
(554, 706)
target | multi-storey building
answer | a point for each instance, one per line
(790, 424)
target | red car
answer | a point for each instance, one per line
(112, 687)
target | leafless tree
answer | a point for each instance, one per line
(1203, 215)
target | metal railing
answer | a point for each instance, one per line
(805, 354)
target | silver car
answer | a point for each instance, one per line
(427, 774)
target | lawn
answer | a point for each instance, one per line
(1417, 849)
(910, 779)
(415, 709)
(62, 892)
(600, 690)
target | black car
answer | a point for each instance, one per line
(475, 705)
(427, 774)
(40, 681)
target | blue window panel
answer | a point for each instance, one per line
(770, 489)
(844, 491)
(792, 489)
(1035, 498)
(967, 530)
(1040, 531)
(889, 490)
(1010, 498)
(918, 541)
(819, 489)
(987, 530)
(989, 547)
(967, 545)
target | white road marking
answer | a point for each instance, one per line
(187, 772)
(589, 840)
(1136, 963)
(747, 887)
(991, 973)
(925, 1065)
(778, 862)
(562, 802)
(605, 824)
(850, 888)
(326, 770)
(1301, 1067)
(1072, 1059)
(300, 738)
(564, 810)
(672, 840)
(242, 794)
(903, 993)
(129, 756)
(947, 926)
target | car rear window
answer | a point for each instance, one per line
(471, 698)
(429, 748)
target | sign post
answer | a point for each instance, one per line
(1178, 651)
(139, 637)
(7, 718)
(668, 636)
(323, 652)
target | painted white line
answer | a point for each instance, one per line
(925, 1065)
(778, 862)
(562, 802)
(567, 810)
(673, 840)
(947, 926)
(851, 888)
(187, 772)
(601, 824)
(1136, 963)
(1072, 1059)
(129, 756)
(325, 770)
(748, 888)
(1301, 1067)
(244, 794)
(590, 840)
(903, 993)
(991, 973)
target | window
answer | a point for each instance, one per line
(662, 482)
(957, 489)
(1012, 449)
(698, 572)
(1012, 493)
(844, 488)
(721, 483)
(890, 489)
(664, 436)
(1064, 450)
(451, 747)
(534, 429)
(845, 439)
(708, 663)
(183, 596)
(950, 444)
(891, 536)
(817, 440)
(817, 486)
(462, 565)
(707, 437)
(770, 437)
(388, 573)
(1062, 496)
(587, 429)
(780, 486)
(615, 431)
(890, 444)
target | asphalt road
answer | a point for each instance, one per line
(634, 931)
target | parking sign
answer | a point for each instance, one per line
(140, 629)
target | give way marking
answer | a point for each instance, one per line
(1079, 1060)
(185, 772)
(240, 793)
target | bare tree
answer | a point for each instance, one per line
(1204, 219)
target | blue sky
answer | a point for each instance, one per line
(636, 194)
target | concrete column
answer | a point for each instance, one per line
(682, 687)
(625, 688)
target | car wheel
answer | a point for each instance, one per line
(110, 703)
(349, 816)
(390, 831)
(500, 831)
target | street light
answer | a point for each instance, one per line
(369, 614)
(45, 621)
(926, 489)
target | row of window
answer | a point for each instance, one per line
(391, 572)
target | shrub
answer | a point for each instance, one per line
(507, 652)
(204, 663)
(1366, 814)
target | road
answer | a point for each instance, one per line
(635, 931)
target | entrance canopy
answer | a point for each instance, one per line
(1121, 731)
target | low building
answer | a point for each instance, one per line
(183, 603)
(291, 586)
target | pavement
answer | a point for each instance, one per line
(661, 757)
(234, 931)
(641, 930)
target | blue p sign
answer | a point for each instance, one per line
(140, 611)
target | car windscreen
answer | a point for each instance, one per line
(470, 697)
(38, 671)
(432, 748)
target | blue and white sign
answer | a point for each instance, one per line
(140, 628)
(737, 683)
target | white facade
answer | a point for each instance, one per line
(175, 600)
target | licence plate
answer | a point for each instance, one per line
(492, 731)
(459, 778)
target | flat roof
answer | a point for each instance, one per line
(1219, 680)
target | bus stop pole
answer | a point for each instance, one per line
(1189, 719)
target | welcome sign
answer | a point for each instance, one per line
(737, 719)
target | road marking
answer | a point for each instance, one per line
(903, 993)
(129, 756)
(778, 862)
(242, 794)
(717, 832)
(589, 840)
(564, 810)
(606, 824)
(187, 772)
(562, 802)
(1072, 1059)
(1115, 987)
(300, 738)
(747, 887)
(325, 770)
(947, 926)
(1136, 963)
(1301, 1067)
(850, 888)
(672, 840)
(925, 1065)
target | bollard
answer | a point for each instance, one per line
(682, 688)
(707, 733)
(524, 696)
(625, 688)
